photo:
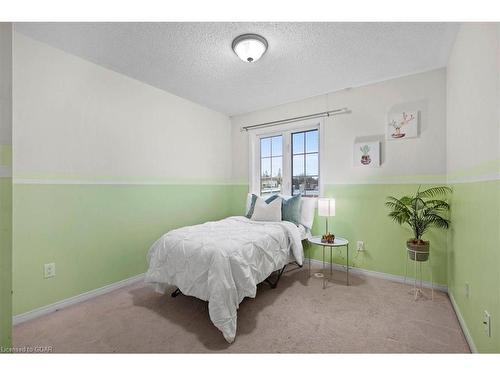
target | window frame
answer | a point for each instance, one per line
(286, 131)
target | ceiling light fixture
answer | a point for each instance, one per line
(249, 47)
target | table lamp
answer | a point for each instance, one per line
(326, 208)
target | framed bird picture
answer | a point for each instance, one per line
(402, 125)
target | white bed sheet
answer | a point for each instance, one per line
(222, 262)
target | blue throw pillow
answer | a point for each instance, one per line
(290, 210)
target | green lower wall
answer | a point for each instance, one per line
(5, 261)
(474, 258)
(361, 215)
(96, 234)
(238, 199)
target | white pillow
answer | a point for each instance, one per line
(307, 208)
(267, 212)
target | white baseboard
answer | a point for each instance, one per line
(379, 275)
(24, 317)
(463, 325)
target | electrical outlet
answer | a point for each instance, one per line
(487, 323)
(49, 270)
(467, 290)
(360, 246)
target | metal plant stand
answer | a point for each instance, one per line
(418, 288)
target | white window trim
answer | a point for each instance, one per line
(285, 130)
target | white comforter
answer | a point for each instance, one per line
(222, 262)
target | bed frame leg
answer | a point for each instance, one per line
(176, 293)
(274, 283)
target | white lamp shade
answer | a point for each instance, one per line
(326, 207)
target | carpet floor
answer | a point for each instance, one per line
(369, 316)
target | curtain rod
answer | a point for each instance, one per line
(294, 119)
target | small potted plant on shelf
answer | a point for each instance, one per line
(421, 212)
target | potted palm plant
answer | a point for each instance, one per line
(420, 212)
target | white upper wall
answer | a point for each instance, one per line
(75, 119)
(473, 80)
(418, 159)
(5, 83)
(110, 126)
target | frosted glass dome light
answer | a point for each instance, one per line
(249, 47)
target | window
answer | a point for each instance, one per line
(271, 165)
(305, 163)
(286, 161)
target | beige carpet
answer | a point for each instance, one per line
(370, 316)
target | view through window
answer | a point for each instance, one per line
(271, 165)
(305, 163)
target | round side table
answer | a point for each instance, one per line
(339, 242)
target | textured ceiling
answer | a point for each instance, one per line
(195, 60)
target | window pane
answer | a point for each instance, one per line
(269, 185)
(265, 167)
(312, 164)
(298, 185)
(277, 146)
(265, 147)
(312, 141)
(298, 165)
(311, 186)
(276, 167)
(298, 143)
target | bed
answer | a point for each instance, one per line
(223, 261)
